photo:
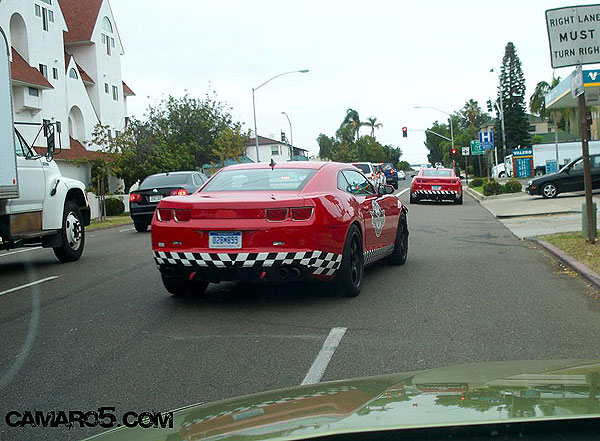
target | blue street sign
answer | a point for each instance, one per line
(486, 139)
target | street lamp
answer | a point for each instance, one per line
(502, 117)
(451, 126)
(290, 123)
(254, 104)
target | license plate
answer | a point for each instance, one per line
(155, 198)
(224, 239)
(436, 187)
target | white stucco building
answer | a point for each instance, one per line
(278, 150)
(66, 66)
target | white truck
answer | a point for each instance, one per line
(38, 206)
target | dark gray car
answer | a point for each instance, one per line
(567, 179)
(144, 200)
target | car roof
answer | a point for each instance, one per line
(176, 173)
(292, 164)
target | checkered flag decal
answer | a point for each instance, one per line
(434, 192)
(318, 262)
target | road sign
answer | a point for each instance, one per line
(466, 151)
(573, 35)
(486, 139)
(476, 148)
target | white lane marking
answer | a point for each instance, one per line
(402, 192)
(126, 229)
(316, 371)
(20, 251)
(27, 285)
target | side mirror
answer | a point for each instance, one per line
(385, 189)
(50, 138)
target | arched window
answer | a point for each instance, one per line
(106, 25)
(73, 73)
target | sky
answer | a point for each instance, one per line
(381, 58)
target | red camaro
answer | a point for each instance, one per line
(436, 184)
(279, 222)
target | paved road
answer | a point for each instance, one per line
(105, 333)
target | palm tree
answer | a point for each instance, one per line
(372, 122)
(353, 119)
(537, 102)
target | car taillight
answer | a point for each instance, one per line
(182, 215)
(302, 213)
(179, 192)
(276, 214)
(135, 197)
(164, 214)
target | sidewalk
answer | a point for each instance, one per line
(530, 216)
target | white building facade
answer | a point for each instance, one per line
(66, 67)
(277, 150)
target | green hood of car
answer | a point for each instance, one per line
(466, 394)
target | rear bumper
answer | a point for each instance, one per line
(142, 212)
(217, 267)
(450, 195)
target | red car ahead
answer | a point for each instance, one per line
(436, 184)
(281, 222)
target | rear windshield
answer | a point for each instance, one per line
(170, 180)
(386, 167)
(363, 168)
(440, 173)
(260, 179)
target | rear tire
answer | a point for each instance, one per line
(72, 234)
(413, 200)
(140, 226)
(349, 278)
(400, 253)
(459, 201)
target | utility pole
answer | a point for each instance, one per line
(583, 128)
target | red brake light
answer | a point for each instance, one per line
(164, 214)
(182, 215)
(179, 192)
(134, 197)
(276, 214)
(302, 213)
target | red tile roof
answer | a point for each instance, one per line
(23, 72)
(84, 76)
(81, 17)
(127, 90)
(77, 151)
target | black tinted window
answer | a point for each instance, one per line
(169, 180)
(363, 168)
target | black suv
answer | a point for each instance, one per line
(567, 179)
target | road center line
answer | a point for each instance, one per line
(20, 251)
(316, 371)
(27, 285)
(126, 229)
(402, 192)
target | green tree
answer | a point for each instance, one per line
(230, 144)
(326, 145)
(404, 166)
(373, 124)
(512, 93)
(353, 119)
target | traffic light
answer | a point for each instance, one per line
(453, 151)
(489, 106)
(404, 132)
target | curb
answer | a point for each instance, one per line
(546, 213)
(108, 227)
(475, 194)
(583, 270)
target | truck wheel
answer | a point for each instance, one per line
(549, 190)
(72, 234)
(349, 277)
(140, 226)
(501, 175)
